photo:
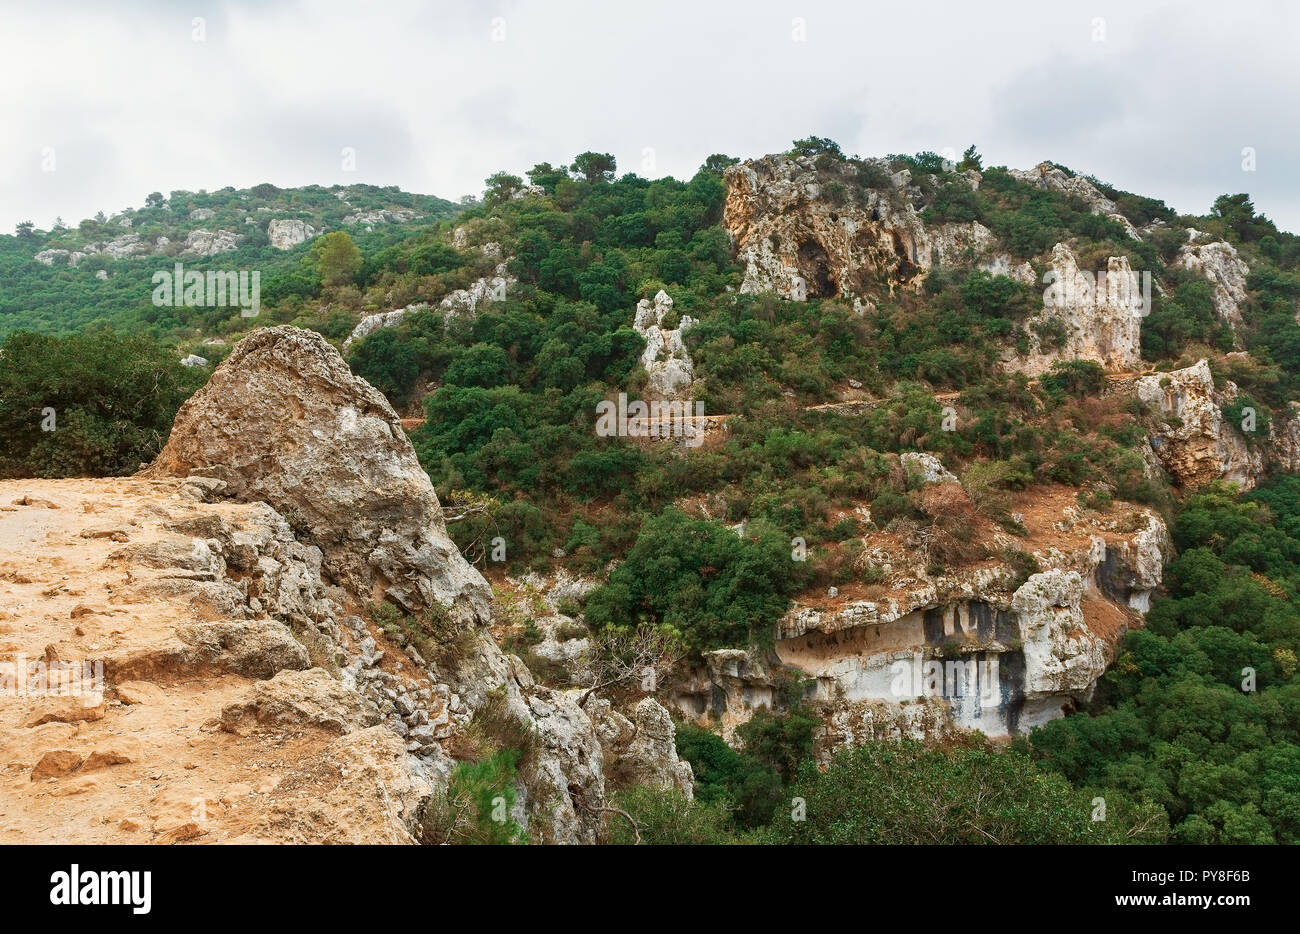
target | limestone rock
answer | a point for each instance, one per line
(650, 757)
(382, 216)
(491, 288)
(1197, 444)
(55, 764)
(285, 233)
(209, 243)
(797, 239)
(384, 319)
(1051, 178)
(665, 358)
(926, 467)
(285, 421)
(1225, 271)
(1100, 318)
(1062, 656)
(300, 700)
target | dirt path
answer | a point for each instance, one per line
(144, 759)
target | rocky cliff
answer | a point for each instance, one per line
(984, 646)
(807, 232)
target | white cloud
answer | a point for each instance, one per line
(430, 102)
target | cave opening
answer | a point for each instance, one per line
(815, 265)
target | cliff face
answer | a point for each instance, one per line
(799, 236)
(981, 647)
(1222, 268)
(667, 362)
(1094, 318)
(1197, 443)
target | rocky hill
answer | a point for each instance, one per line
(735, 476)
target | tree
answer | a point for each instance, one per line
(92, 404)
(154, 199)
(910, 793)
(1238, 213)
(24, 229)
(546, 175)
(594, 166)
(338, 260)
(717, 588)
(970, 159)
(501, 186)
(717, 162)
(645, 655)
(816, 146)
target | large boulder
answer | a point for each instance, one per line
(285, 233)
(283, 420)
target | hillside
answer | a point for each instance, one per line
(1000, 460)
(99, 271)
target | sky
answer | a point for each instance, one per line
(101, 104)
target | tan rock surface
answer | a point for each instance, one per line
(155, 765)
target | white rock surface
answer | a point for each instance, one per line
(665, 358)
(285, 233)
(1101, 317)
(1224, 269)
(203, 242)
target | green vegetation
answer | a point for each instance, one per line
(716, 587)
(1201, 711)
(91, 404)
(911, 793)
(61, 298)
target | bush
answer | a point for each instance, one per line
(717, 588)
(908, 793)
(92, 404)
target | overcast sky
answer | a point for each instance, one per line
(126, 98)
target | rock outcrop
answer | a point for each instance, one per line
(122, 247)
(283, 420)
(1196, 443)
(665, 359)
(285, 233)
(383, 319)
(1052, 178)
(493, 288)
(984, 646)
(1085, 316)
(1223, 269)
(209, 243)
(802, 231)
(643, 750)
